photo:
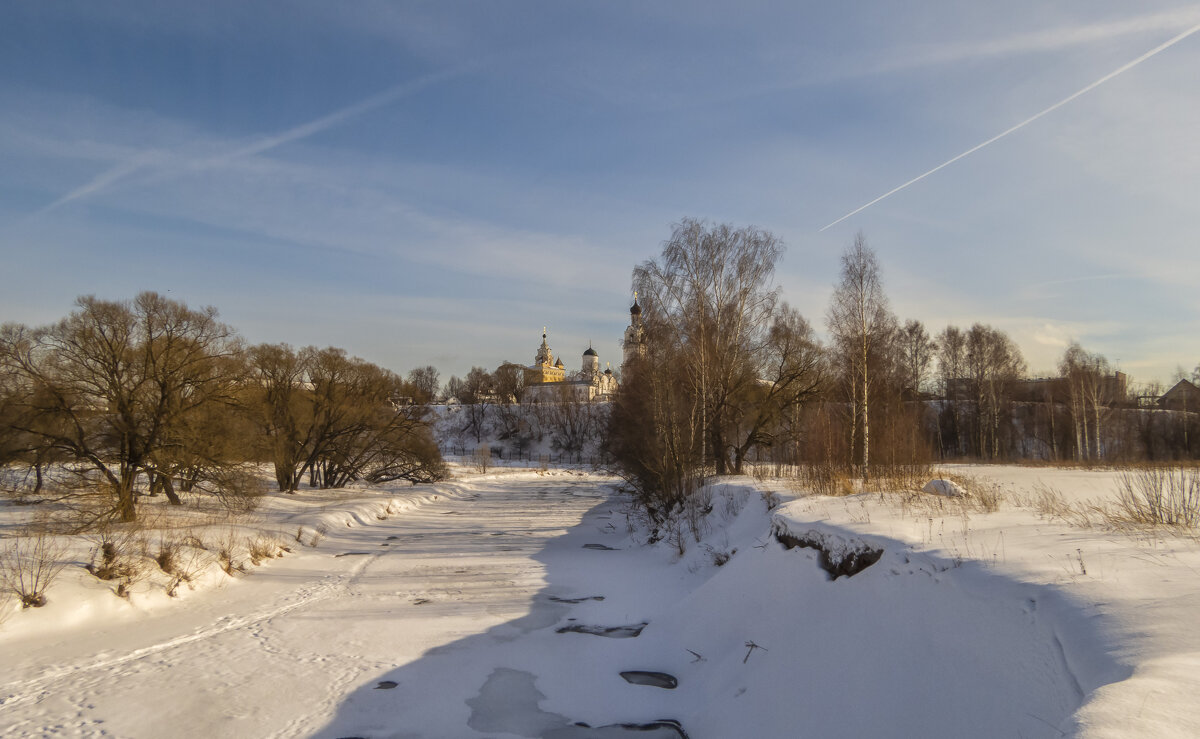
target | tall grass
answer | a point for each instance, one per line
(1167, 496)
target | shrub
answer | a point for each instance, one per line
(482, 459)
(188, 559)
(28, 564)
(167, 556)
(115, 553)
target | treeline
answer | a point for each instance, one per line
(123, 399)
(730, 373)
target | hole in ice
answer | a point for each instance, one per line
(508, 703)
(612, 632)
(661, 729)
(573, 601)
(386, 684)
(653, 679)
(600, 547)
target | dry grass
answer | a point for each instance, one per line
(1148, 497)
(318, 534)
(227, 552)
(823, 479)
(899, 477)
(983, 495)
(263, 547)
(1159, 496)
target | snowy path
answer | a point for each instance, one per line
(276, 653)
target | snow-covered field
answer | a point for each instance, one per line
(508, 605)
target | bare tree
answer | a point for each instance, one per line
(1091, 396)
(338, 419)
(280, 403)
(654, 431)
(424, 381)
(713, 295)
(952, 375)
(513, 423)
(860, 322)
(722, 370)
(509, 382)
(994, 364)
(916, 354)
(478, 394)
(791, 371)
(454, 388)
(113, 385)
(571, 421)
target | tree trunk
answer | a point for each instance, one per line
(126, 505)
(866, 448)
(168, 489)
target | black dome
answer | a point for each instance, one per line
(590, 352)
(636, 309)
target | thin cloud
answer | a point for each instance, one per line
(1072, 280)
(1053, 40)
(1123, 68)
(151, 159)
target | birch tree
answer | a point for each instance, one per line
(861, 324)
(712, 289)
(1088, 390)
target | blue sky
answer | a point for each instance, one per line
(431, 183)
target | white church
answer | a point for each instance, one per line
(546, 380)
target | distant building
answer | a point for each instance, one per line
(544, 368)
(635, 335)
(546, 379)
(1113, 389)
(1183, 397)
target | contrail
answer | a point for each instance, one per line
(337, 117)
(1130, 65)
(128, 168)
(101, 181)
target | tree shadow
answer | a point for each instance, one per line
(492, 682)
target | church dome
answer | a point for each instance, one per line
(559, 363)
(590, 352)
(636, 310)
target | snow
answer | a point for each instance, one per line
(508, 604)
(948, 488)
